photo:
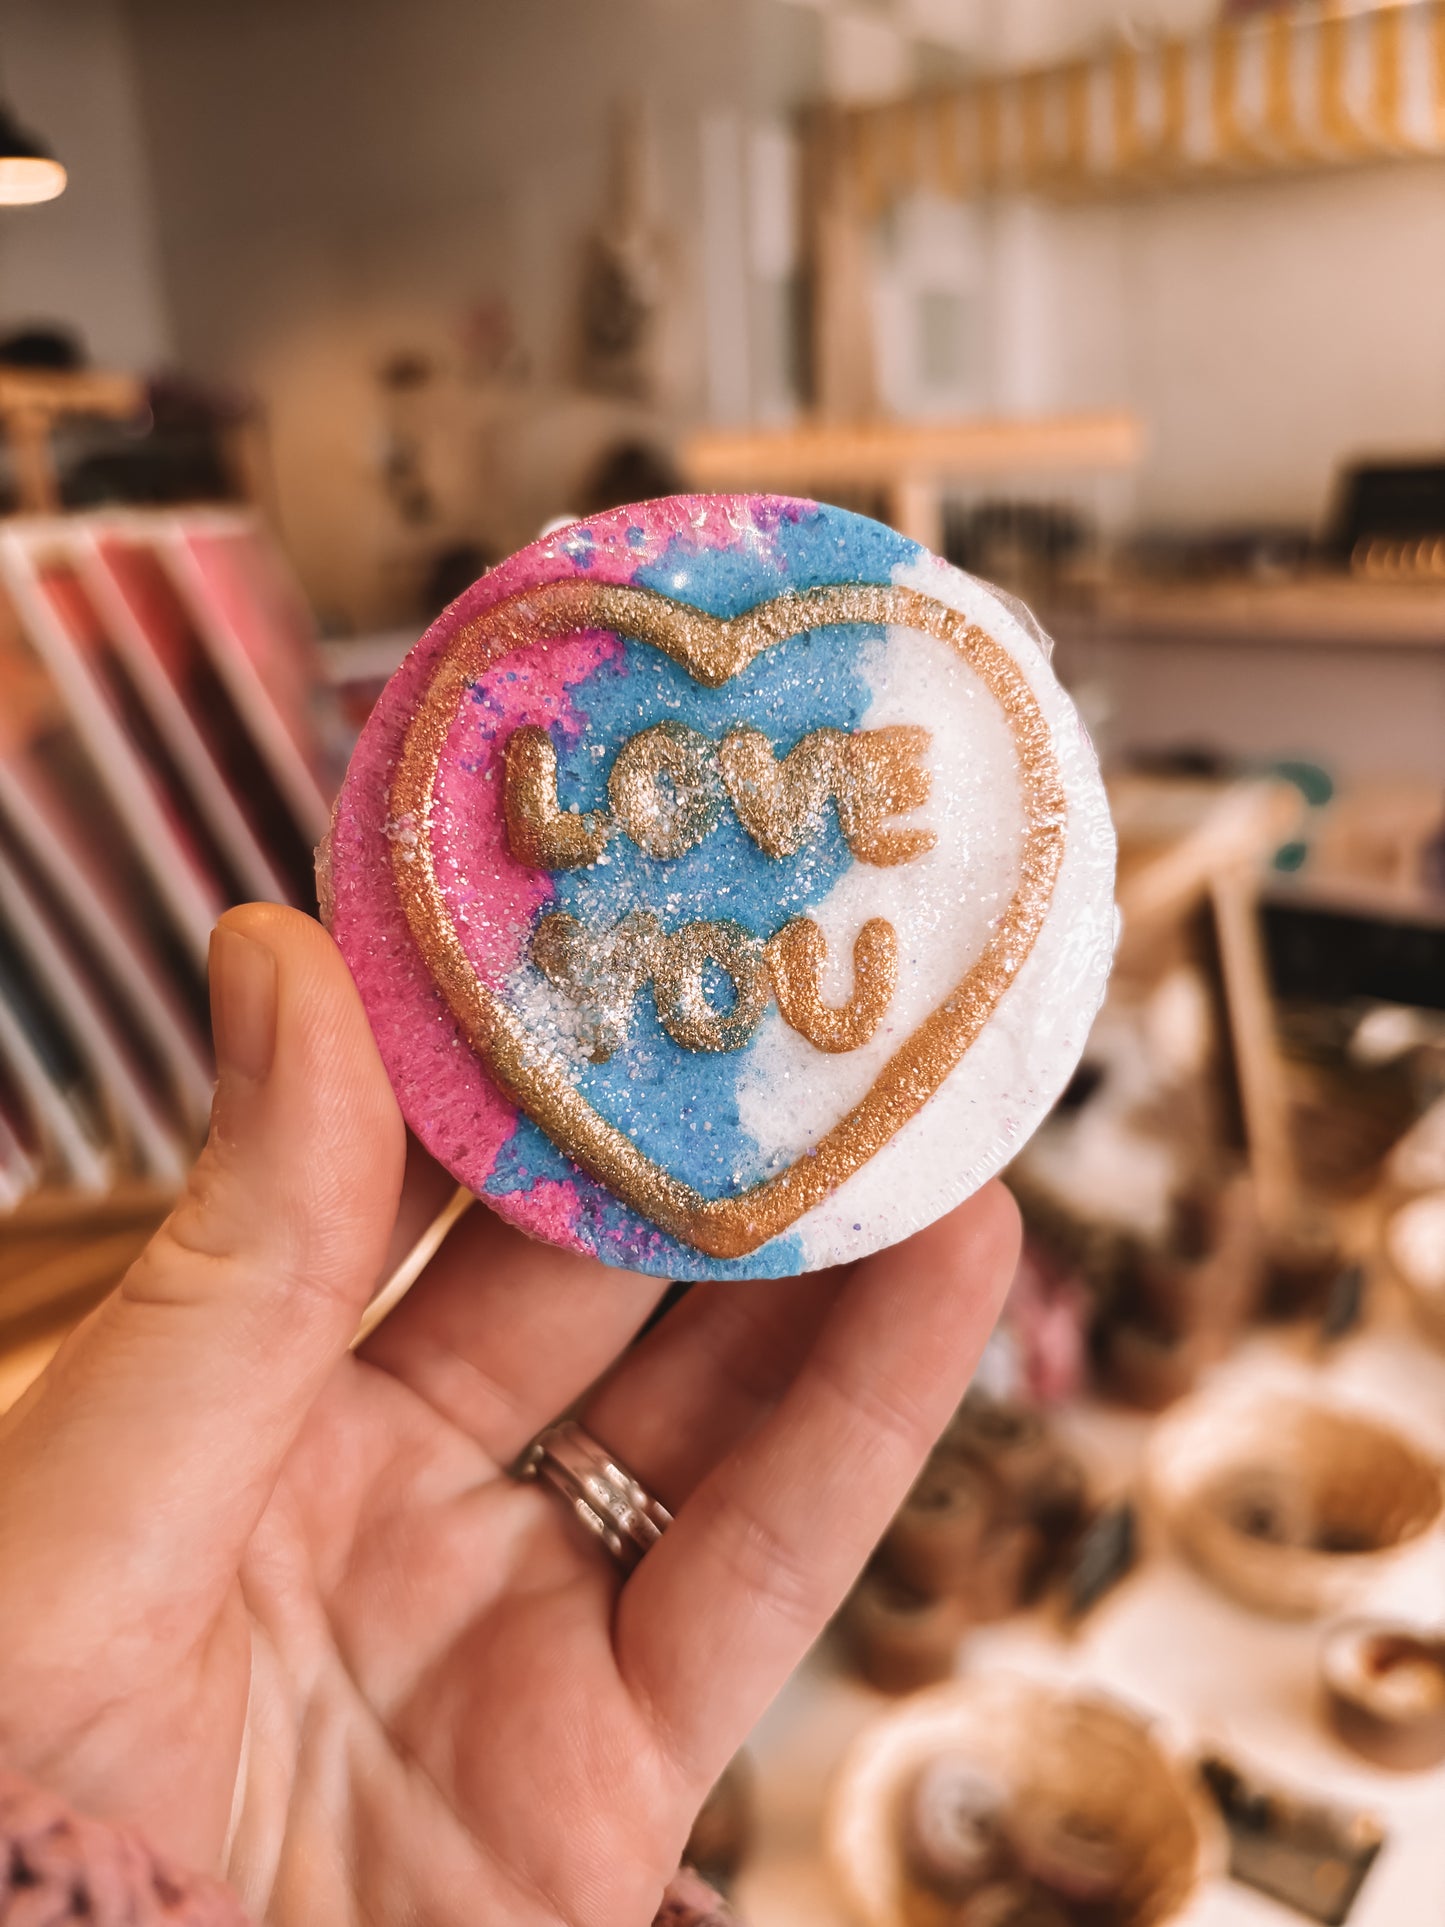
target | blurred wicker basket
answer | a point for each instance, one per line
(1414, 1241)
(1383, 1684)
(1287, 1502)
(1084, 1758)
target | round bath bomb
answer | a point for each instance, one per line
(728, 882)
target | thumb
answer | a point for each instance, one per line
(139, 1464)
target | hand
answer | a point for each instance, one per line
(284, 1608)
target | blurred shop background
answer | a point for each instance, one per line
(311, 310)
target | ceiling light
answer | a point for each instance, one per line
(27, 172)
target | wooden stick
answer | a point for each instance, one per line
(414, 1263)
(1258, 1060)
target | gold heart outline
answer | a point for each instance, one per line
(713, 650)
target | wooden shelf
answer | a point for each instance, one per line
(60, 1254)
(1309, 612)
(80, 1213)
(52, 1275)
(880, 454)
(908, 463)
(33, 400)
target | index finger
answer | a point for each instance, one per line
(726, 1603)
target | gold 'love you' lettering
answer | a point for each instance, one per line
(668, 784)
(602, 972)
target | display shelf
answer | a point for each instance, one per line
(909, 464)
(1318, 611)
(1345, 83)
(880, 454)
(34, 401)
(1347, 674)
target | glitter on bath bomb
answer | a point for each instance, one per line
(729, 884)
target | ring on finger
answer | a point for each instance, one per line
(613, 1505)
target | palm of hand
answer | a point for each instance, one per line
(442, 1630)
(286, 1609)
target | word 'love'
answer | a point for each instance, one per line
(603, 972)
(668, 785)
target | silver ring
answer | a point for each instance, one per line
(600, 1492)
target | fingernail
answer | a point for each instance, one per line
(243, 1003)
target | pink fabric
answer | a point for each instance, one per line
(1047, 1315)
(56, 1866)
(690, 1902)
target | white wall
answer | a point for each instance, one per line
(1266, 332)
(341, 179)
(90, 258)
(1031, 32)
(1273, 331)
(1367, 713)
